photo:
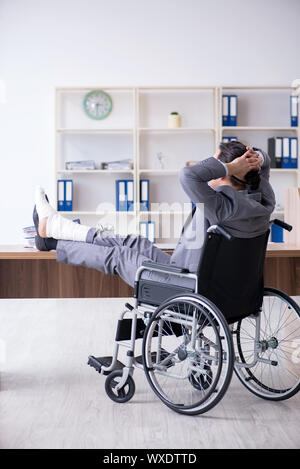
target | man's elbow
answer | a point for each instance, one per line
(184, 176)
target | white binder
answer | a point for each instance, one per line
(151, 231)
(60, 195)
(69, 195)
(129, 195)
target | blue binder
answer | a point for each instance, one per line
(228, 139)
(294, 111)
(233, 110)
(225, 110)
(151, 231)
(147, 230)
(130, 196)
(60, 195)
(64, 195)
(285, 152)
(276, 234)
(121, 195)
(68, 195)
(144, 195)
(294, 152)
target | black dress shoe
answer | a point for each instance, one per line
(42, 244)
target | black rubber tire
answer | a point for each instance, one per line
(277, 396)
(125, 393)
(230, 358)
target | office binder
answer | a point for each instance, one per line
(60, 195)
(275, 151)
(285, 152)
(68, 195)
(233, 110)
(228, 139)
(121, 197)
(144, 229)
(294, 110)
(147, 230)
(294, 152)
(225, 110)
(144, 194)
(129, 195)
(276, 234)
(151, 231)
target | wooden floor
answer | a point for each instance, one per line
(50, 398)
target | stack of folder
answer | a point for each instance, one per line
(229, 111)
(29, 233)
(80, 165)
(283, 152)
(115, 165)
(65, 195)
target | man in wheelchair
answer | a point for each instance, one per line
(184, 303)
(229, 186)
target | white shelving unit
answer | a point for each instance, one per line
(137, 128)
(264, 112)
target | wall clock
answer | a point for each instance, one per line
(97, 104)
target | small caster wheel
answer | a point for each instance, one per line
(202, 382)
(125, 393)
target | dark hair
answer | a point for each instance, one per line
(229, 152)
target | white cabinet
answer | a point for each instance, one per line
(137, 129)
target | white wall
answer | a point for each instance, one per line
(48, 43)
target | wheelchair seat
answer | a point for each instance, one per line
(230, 274)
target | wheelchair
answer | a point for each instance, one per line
(195, 337)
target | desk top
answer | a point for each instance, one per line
(16, 251)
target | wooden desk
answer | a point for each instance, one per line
(28, 273)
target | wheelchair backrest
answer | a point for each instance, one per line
(230, 274)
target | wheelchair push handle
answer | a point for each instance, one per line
(219, 230)
(281, 223)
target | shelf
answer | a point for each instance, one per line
(159, 172)
(240, 127)
(102, 213)
(235, 87)
(95, 171)
(94, 131)
(179, 129)
(165, 212)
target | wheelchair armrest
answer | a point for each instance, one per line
(165, 267)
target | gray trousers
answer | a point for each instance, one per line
(112, 254)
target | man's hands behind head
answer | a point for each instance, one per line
(249, 161)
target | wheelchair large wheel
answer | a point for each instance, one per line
(194, 374)
(278, 377)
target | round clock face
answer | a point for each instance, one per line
(97, 104)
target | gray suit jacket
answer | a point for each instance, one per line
(244, 214)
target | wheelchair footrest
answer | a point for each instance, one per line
(99, 362)
(164, 355)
